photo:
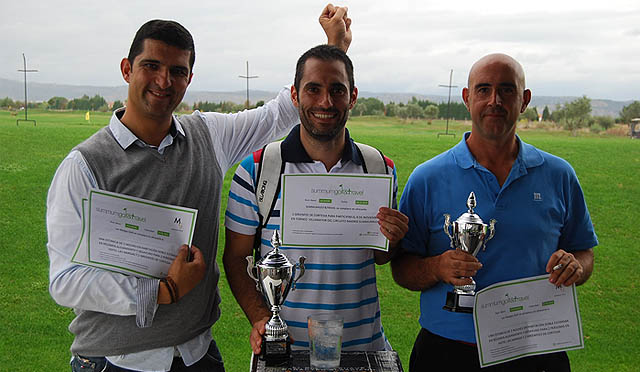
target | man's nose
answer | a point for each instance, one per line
(163, 78)
(496, 99)
(326, 100)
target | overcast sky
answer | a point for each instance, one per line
(567, 48)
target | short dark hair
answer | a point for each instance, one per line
(324, 52)
(169, 32)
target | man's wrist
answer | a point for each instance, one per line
(164, 296)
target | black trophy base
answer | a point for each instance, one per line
(459, 303)
(275, 352)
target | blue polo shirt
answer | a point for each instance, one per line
(540, 208)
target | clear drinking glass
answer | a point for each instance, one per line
(325, 340)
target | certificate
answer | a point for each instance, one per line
(331, 210)
(524, 317)
(132, 235)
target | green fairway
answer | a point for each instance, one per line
(34, 335)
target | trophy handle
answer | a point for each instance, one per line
(250, 268)
(299, 265)
(447, 224)
(492, 230)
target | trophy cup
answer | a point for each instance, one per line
(469, 234)
(274, 277)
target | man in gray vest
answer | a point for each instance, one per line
(338, 279)
(124, 322)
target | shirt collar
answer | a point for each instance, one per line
(126, 138)
(528, 155)
(294, 152)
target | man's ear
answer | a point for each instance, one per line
(294, 95)
(353, 98)
(526, 98)
(465, 97)
(125, 69)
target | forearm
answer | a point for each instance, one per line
(382, 257)
(413, 272)
(585, 258)
(243, 287)
(249, 299)
(86, 288)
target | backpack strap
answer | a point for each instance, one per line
(373, 160)
(270, 167)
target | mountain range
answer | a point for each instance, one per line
(44, 91)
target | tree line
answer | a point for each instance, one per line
(571, 116)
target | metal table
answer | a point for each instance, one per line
(357, 361)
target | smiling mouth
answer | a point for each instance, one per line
(159, 94)
(323, 115)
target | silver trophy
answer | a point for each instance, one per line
(469, 234)
(274, 277)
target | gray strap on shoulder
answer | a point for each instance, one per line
(268, 179)
(374, 162)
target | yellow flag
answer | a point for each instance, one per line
(87, 116)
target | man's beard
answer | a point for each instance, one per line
(326, 136)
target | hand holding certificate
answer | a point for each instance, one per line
(525, 317)
(132, 235)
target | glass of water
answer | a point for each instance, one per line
(325, 340)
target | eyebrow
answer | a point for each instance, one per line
(482, 85)
(149, 60)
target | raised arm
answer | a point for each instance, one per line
(337, 26)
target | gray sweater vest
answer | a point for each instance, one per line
(186, 174)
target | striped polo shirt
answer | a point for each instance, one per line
(337, 280)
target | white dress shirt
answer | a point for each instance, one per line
(234, 136)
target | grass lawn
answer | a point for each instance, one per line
(34, 335)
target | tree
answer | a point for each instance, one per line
(431, 112)
(7, 103)
(368, 106)
(97, 103)
(359, 109)
(57, 103)
(530, 114)
(630, 111)
(605, 122)
(456, 110)
(391, 109)
(575, 114)
(116, 105)
(414, 111)
(546, 115)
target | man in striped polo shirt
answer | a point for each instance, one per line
(337, 280)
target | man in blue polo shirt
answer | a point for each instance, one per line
(542, 217)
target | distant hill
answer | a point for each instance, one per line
(42, 92)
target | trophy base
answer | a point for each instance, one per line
(275, 352)
(459, 303)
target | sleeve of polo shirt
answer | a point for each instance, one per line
(78, 286)
(242, 210)
(412, 204)
(577, 233)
